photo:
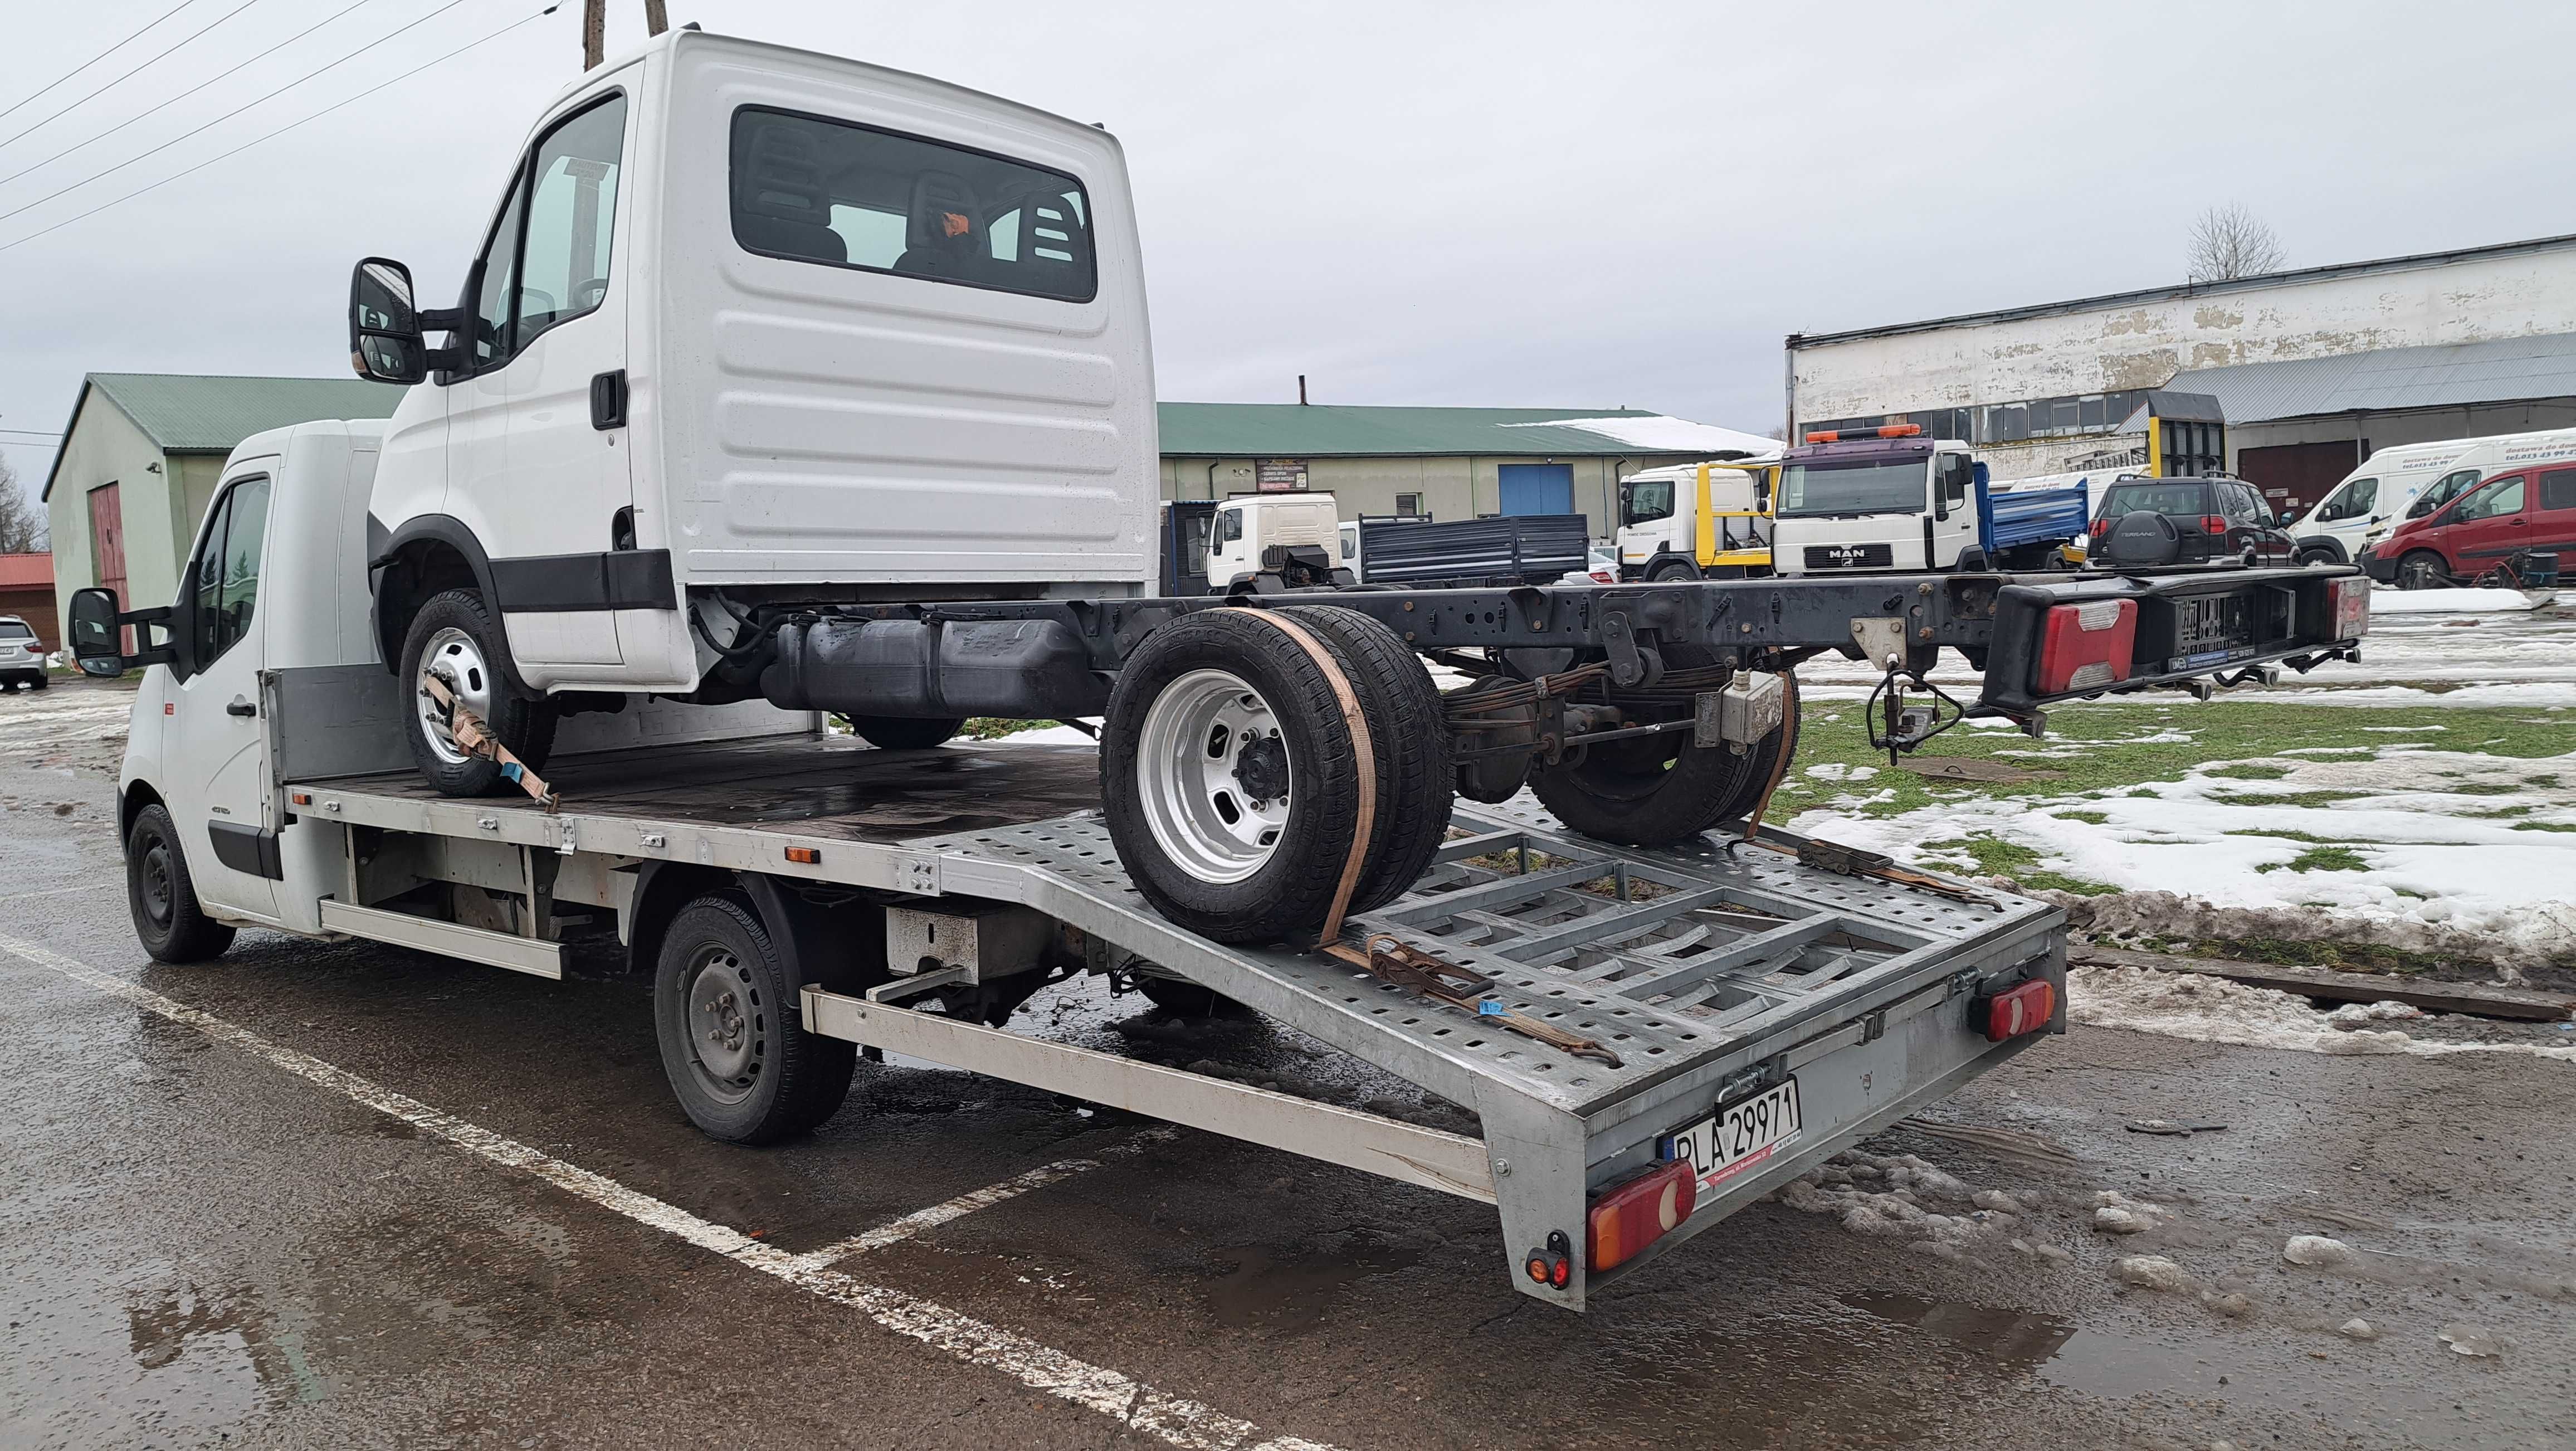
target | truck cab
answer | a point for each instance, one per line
(1696, 521)
(1296, 538)
(1889, 498)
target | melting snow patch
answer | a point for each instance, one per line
(2152, 1272)
(2215, 1010)
(1837, 771)
(2452, 601)
(1882, 1196)
(2470, 1340)
(2353, 1015)
(2315, 1251)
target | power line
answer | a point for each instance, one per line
(183, 40)
(282, 130)
(183, 95)
(228, 115)
(93, 60)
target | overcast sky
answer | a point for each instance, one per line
(1508, 204)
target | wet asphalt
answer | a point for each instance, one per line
(198, 1248)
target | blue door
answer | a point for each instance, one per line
(1537, 488)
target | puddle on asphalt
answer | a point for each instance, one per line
(1286, 1295)
(2099, 1362)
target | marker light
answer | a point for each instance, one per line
(1636, 1214)
(2087, 646)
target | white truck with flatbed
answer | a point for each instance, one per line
(343, 731)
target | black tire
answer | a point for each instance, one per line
(1189, 1000)
(1670, 570)
(162, 897)
(769, 1080)
(2423, 569)
(40, 682)
(1409, 737)
(2318, 556)
(905, 733)
(1660, 789)
(524, 723)
(1287, 889)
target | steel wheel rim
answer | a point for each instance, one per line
(1210, 741)
(727, 1027)
(155, 881)
(454, 657)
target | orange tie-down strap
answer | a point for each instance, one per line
(1382, 956)
(476, 737)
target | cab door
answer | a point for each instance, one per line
(2487, 525)
(213, 737)
(2553, 517)
(540, 426)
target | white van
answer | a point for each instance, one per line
(2375, 498)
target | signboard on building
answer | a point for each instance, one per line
(1278, 475)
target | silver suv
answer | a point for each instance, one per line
(22, 655)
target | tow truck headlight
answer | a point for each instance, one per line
(2351, 608)
(2087, 646)
(1636, 1214)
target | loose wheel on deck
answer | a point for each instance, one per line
(1228, 777)
(1659, 789)
(1409, 740)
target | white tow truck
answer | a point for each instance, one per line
(1651, 1024)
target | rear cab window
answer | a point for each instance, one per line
(2179, 498)
(838, 194)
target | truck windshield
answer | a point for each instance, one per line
(1642, 500)
(1859, 486)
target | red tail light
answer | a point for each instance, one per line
(1639, 1212)
(2351, 608)
(2087, 646)
(2015, 1011)
(2213, 525)
(2101, 529)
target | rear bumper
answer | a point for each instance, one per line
(2382, 570)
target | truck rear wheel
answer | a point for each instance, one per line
(1227, 777)
(734, 1045)
(904, 733)
(1661, 789)
(1409, 739)
(453, 637)
(162, 897)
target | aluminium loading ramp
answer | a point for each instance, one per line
(1712, 970)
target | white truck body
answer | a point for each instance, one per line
(1249, 525)
(895, 423)
(2375, 498)
(1661, 517)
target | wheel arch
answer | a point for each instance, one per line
(131, 799)
(2325, 543)
(428, 555)
(816, 940)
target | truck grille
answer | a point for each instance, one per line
(1850, 556)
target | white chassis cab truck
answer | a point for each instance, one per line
(836, 400)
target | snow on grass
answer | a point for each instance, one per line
(2453, 601)
(2214, 1010)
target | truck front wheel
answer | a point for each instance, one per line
(453, 637)
(162, 897)
(734, 1045)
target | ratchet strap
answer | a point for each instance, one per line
(474, 736)
(1363, 757)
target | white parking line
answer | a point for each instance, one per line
(1130, 1402)
(47, 892)
(897, 1231)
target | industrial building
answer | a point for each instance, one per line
(1448, 463)
(2311, 368)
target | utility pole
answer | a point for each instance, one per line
(594, 33)
(655, 22)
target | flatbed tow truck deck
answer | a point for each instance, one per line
(1717, 974)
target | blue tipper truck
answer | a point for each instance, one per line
(1893, 499)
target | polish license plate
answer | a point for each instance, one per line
(1739, 1137)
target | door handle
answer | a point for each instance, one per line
(241, 707)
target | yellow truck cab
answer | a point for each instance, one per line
(1697, 521)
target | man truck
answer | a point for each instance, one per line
(1889, 498)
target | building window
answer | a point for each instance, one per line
(1408, 506)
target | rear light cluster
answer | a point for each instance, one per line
(2351, 608)
(1636, 1214)
(2101, 529)
(1552, 1266)
(2015, 1011)
(2087, 646)
(2213, 525)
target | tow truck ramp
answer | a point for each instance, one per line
(1716, 974)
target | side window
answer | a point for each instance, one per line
(2499, 498)
(2558, 489)
(845, 195)
(499, 269)
(2349, 502)
(572, 214)
(224, 587)
(1230, 525)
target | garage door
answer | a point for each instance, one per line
(1537, 488)
(2296, 475)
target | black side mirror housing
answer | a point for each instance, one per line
(91, 630)
(385, 325)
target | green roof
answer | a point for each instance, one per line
(1251, 430)
(198, 413)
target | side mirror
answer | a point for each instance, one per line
(385, 341)
(94, 637)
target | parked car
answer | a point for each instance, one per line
(2146, 522)
(2504, 519)
(22, 655)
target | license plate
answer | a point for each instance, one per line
(1739, 1137)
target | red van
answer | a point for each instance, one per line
(2528, 509)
